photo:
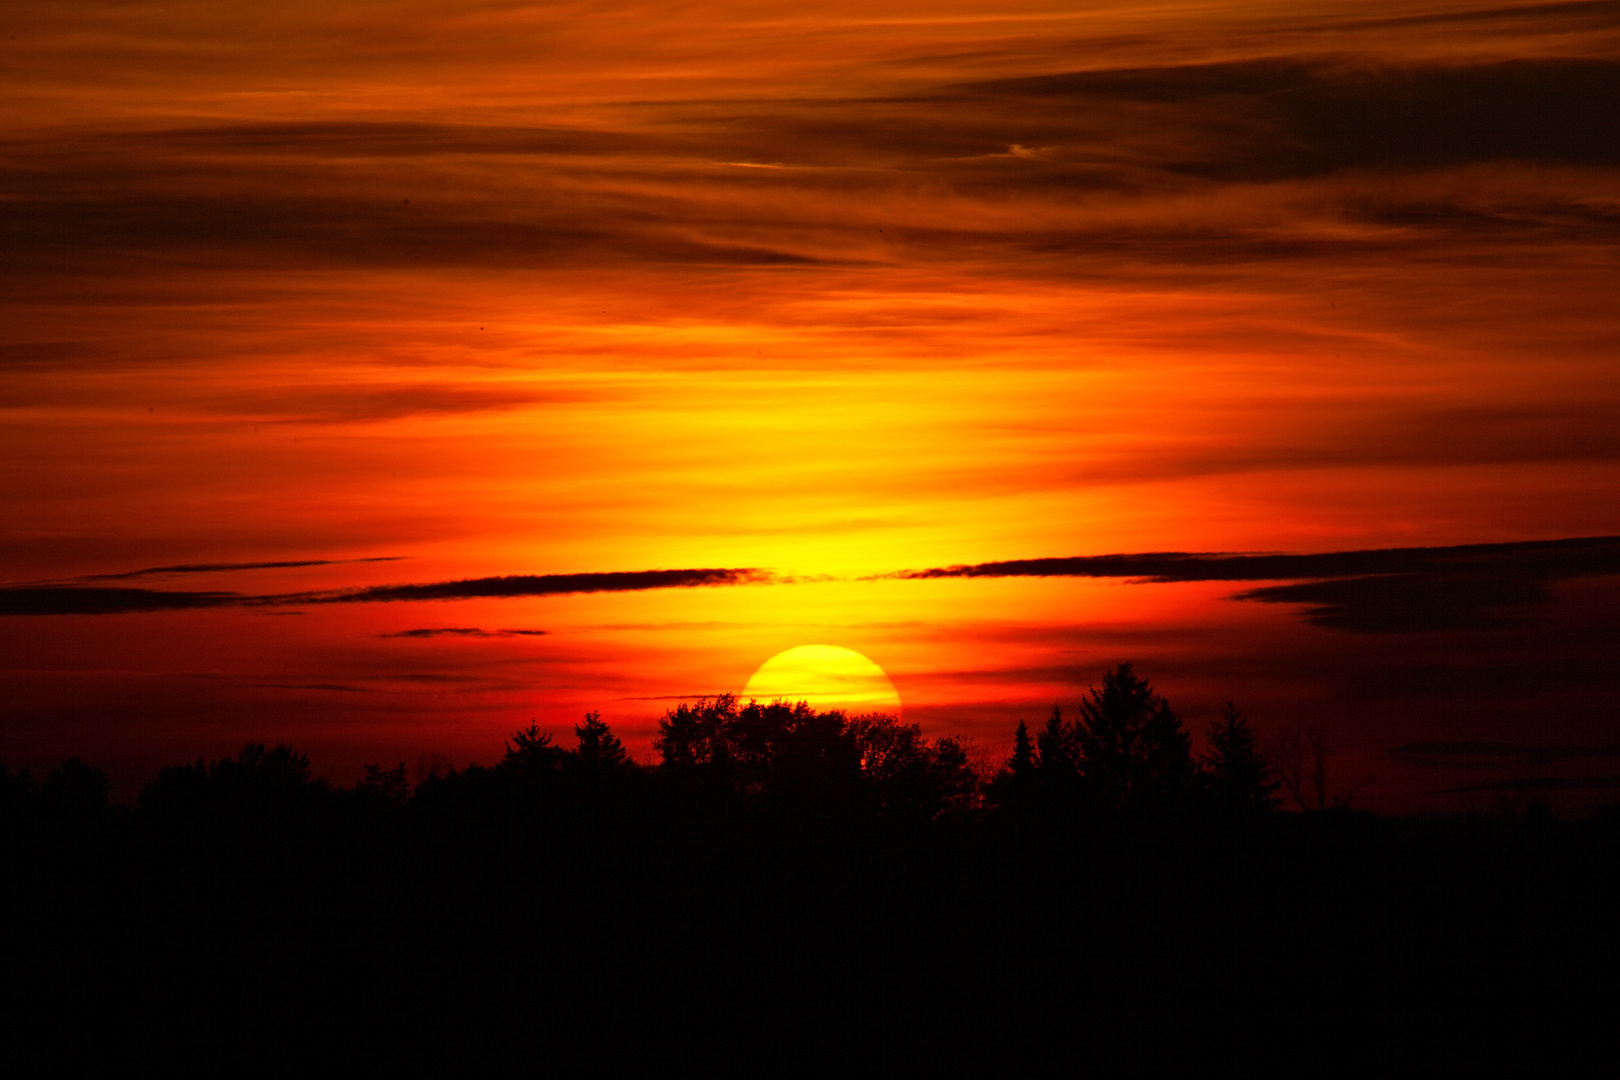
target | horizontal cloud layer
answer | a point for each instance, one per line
(1392, 589)
(462, 631)
(1388, 590)
(1544, 559)
(537, 585)
(85, 600)
(216, 568)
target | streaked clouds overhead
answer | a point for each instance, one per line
(582, 289)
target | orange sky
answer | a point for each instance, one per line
(505, 288)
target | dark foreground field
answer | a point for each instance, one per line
(389, 943)
(788, 890)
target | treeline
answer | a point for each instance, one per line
(1124, 759)
(783, 885)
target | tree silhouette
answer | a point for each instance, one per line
(1057, 750)
(955, 786)
(1240, 777)
(17, 795)
(1302, 765)
(530, 754)
(1134, 753)
(384, 787)
(262, 788)
(599, 750)
(905, 778)
(1012, 789)
(1021, 764)
(74, 794)
(697, 734)
(789, 759)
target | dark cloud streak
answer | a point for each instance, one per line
(1454, 754)
(1390, 590)
(1576, 557)
(83, 600)
(462, 631)
(538, 585)
(1460, 587)
(213, 568)
(79, 600)
(334, 192)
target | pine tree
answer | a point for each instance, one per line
(1134, 753)
(599, 749)
(1022, 762)
(1056, 756)
(530, 754)
(1012, 789)
(1240, 777)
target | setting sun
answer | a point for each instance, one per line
(826, 676)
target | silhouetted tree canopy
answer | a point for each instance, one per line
(789, 758)
(382, 787)
(1123, 757)
(75, 794)
(599, 750)
(530, 754)
(270, 788)
(1134, 753)
(1126, 755)
(1239, 777)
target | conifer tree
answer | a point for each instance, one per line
(1056, 754)
(1022, 762)
(1134, 753)
(1013, 787)
(599, 749)
(530, 754)
(1240, 777)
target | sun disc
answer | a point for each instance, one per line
(828, 677)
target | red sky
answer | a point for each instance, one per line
(509, 289)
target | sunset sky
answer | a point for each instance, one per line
(314, 318)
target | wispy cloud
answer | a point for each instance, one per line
(94, 600)
(215, 568)
(1575, 557)
(335, 688)
(1369, 591)
(82, 600)
(1527, 784)
(462, 631)
(1451, 754)
(1374, 591)
(537, 585)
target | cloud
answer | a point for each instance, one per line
(1377, 591)
(337, 688)
(362, 402)
(1576, 557)
(537, 585)
(214, 568)
(944, 169)
(1372, 591)
(1485, 754)
(1280, 117)
(1541, 783)
(88, 600)
(1405, 603)
(462, 631)
(443, 631)
(1570, 15)
(80, 600)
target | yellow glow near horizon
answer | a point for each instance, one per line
(827, 677)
